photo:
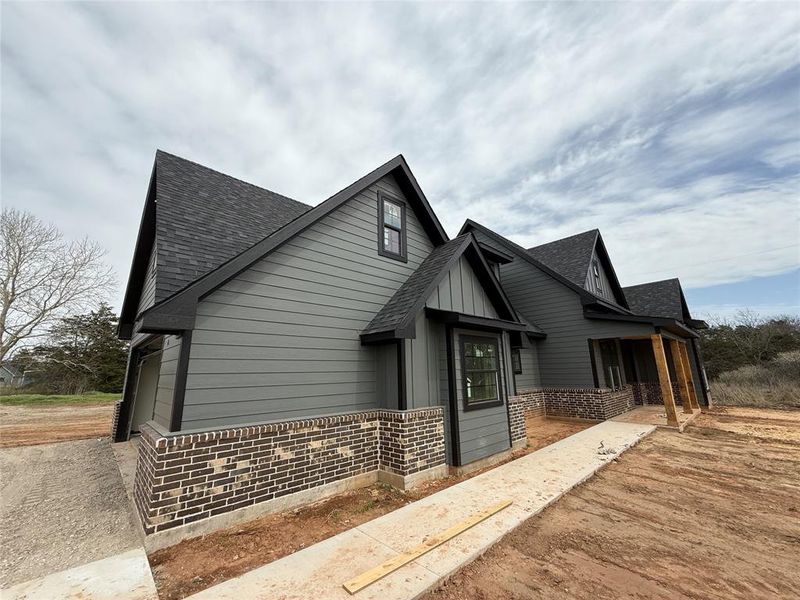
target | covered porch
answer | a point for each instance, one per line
(658, 370)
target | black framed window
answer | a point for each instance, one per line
(480, 372)
(516, 361)
(597, 280)
(391, 228)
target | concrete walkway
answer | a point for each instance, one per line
(531, 482)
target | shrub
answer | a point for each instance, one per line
(774, 383)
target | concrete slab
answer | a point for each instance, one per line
(125, 576)
(531, 482)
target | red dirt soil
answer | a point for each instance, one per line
(198, 563)
(29, 426)
(712, 513)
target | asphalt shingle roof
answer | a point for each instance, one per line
(405, 298)
(569, 256)
(204, 218)
(656, 299)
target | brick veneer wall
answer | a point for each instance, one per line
(582, 403)
(650, 393)
(411, 441)
(185, 478)
(115, 419)
(516, 418)
(532, 402)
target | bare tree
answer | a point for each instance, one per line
(43, 276)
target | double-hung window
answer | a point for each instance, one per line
(598, 283)
(391, 228)
(480, 361)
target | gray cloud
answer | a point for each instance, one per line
(673, 128)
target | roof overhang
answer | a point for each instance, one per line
(456, 318)
(670, 325)
(494, 255)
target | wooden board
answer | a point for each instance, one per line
(687, 367)
(369, 577)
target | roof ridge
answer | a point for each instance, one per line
(226, 175)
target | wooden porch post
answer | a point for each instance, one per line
(663, 379)
(680, 371)
(690, 381)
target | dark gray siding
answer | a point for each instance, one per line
(148, 295)
(529, 378)
(386, 372)
(482, 432)
(604, 290)
(459, 291)
(564, 359)
(166, 379)
(280, 340)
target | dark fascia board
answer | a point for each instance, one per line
(469, 248)
(145, 241)
(600, 245)
(455, 318)
(183, 304)
(669, 324)
(586, 296)
(697, 324)
(495, 255)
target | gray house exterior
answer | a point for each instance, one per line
(280, 350)
(599, 345)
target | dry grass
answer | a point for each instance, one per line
(774, 384)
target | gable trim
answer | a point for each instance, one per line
(587, 298)
(179, 309)
(468, 248)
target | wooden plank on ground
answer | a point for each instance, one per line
(664, 380)
(369, 577)
(680, 370)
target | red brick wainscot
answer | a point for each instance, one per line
(185, 478)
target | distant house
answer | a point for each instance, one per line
(12, 376)
(280, 349)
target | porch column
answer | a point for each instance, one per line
(690, 380)
(680, 371)
(663, 379)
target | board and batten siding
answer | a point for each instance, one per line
(529, 379)
(564, 359)
(482, 432)
(281, 339)
(170, 351)
(604, 290)
(459, 291)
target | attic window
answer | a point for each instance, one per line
(391, 228)
(597, 281)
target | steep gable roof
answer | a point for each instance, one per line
(195, 219)
(658, 299)
(398, 315)
(176, 312)
(586, 296)
(204, 218)
(570, 256)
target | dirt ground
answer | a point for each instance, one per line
(713, 512)
(27, 425)
(62, 505)
(199, 563)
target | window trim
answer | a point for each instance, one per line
(516, 361)
(463, 340)
(403, 255)
(598, 280)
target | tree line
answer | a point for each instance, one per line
(747, 339)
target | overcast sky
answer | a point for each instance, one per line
(674, 129)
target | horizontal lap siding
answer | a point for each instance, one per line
(529, 378)
(564, 359)
(281, 340)
(166, 379)
(147, 296)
